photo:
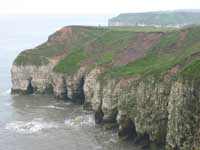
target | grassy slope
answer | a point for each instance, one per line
(71, 62)
(101, 45)
(163, 56)
(99, 48)
(157, 60)
(192, 70)
(28, 58)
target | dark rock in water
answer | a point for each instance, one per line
(143, 140)
(87, 106)
(98, 115)
(127, 128)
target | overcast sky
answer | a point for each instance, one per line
(91, 7)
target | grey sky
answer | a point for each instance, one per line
(91, 7)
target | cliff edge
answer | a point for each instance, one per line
(143, 80)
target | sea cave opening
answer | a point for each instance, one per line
(30, 89)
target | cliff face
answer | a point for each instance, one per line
(36, 77)
(183, 118)
(146, 83)
(42, 80)
(152, 110)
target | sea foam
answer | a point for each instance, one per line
(80, 121)
(52, 107)
(33, 126)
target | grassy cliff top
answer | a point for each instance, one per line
(122, 50)
(160, 18)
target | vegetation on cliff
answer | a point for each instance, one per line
(122, 50)
(29, 58)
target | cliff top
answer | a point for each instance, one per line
(158, 18)
(122, 50)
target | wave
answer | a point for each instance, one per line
(7, 104)
(87, 120)
(98, 147)
(111, 140)
(52, 107)
(7, 92)
(67, 103)
(33, 126)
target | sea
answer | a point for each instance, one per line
(39, 122)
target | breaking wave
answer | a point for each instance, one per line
(52, 107)
(33, 126)
(80, 121)
(111, 140)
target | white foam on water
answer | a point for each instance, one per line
(68, 103)
(33, 126)
(7, 104)
(65, 103)
(111, 140)
(52, 107)
(98, 147)
(87, 120)
(7, 92)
